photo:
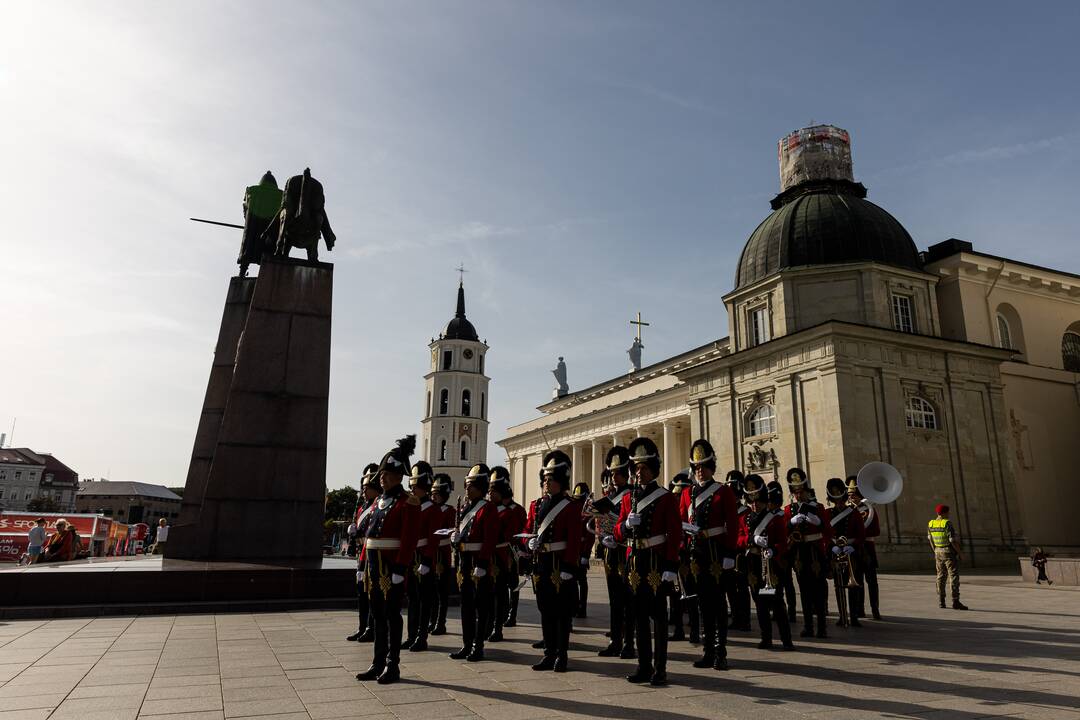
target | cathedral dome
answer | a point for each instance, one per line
(459, 328)
(821, 216)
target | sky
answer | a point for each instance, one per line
(585, 161)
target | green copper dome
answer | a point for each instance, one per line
(824, 222)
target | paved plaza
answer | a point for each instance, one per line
(1016, 654)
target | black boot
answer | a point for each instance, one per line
(460, 654)
(612, 650)
(390, 675)
(355, 636)
(419, 646)
(720, 663)
(407, 645)
(538, 645)
(367, 636)
(628, 652)
(643, 675)
(658, 678)
(546, 663)
(706, 660)
(477, 653)
(438, 630)
(560, 664)
(371, 673)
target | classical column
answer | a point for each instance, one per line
(578, 462)
(669, 464)
(597, 467)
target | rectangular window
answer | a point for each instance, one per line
(903, 317)
(29, 495)
(759, 325)
(447, 358)
(1, 493)
(18, 475)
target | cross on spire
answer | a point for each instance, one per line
(639, 324)
(461, 272)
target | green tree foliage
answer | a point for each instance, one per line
(43, 504)
(341, 503)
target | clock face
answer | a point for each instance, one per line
(468, 354)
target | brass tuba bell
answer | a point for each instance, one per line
(880, 483)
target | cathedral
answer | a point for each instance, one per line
(847, 344)
(455, 425)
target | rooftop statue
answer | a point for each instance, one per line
(301, 218)
(561, 388)
(635, 355)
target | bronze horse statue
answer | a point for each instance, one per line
(302, 218)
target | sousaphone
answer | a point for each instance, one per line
(880, 483)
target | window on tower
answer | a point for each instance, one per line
(444, 401)
(464, 449)
(447, 359)
(442, 450)
(481, 364)
(427, 408)
(483, 406)
(466, 403)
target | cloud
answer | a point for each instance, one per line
(1005, 152)
(466, 232)
(663, 96)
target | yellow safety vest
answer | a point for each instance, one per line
(939, 533)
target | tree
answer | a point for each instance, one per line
(340, 503)
(43, 504)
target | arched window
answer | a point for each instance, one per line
(444, 401)
(427, 408)
(483, 406)
(442, 450)
(920, 414)
(481, 364)
(762, 420)
(1004, 335)
(447, 359)
(466, 403)
(464, 449)
(1070, 351)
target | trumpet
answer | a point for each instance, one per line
(852, 582)
(768, 589)
(841, 594)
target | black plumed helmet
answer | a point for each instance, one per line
(776, 492)
(498, 472)
(480, 476)
(754, 488)
(618, 458)
(835, 488)
(796, 477)
(735, 481)
(557, 467)
(422, 475)
(397, 460)
(444, 484)
(702, 454)
(681, 481)
(643, 451)
(371, 476)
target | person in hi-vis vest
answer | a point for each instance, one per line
(945, 542)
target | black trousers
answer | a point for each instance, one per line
(649, 607)
(582, 575)
(620, 611)
(477, 604)
(363, 608)
(505, 584)
(738, 594)
(868, 572)
(421, 593)
(556, 599)
(770, 608)
(712, 604)
(443, 573)
(385, 600)
(811, 568)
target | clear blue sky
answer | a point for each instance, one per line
(584, 160)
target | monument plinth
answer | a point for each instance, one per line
(256, 484)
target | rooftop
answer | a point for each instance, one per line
(123, 487)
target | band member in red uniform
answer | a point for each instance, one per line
(806, 529)
(620, 612)
(440, 495)
(738, 591)
(763, 539)
(583, 498)
(475, 538)
(710, 507)
(517, 522)
(531, 523)
(504, 569)
(677, 607)
(421, 586)
(556, 557)
(369, 492)
(389, 545)
(649, 525)
(848, 534)
(866, 569)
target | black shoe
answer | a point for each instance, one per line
(538, 645)
(840, 623)
(510, 621)
(1049, 582)
(705, 661)
(821, 632)
(408, 643)
(355, 636)
(877, 615)
(658, 678)
(642, 675)
(677, 636)
(419, 646)
(807, 632)
(438, 630)
(496, 635)
(957, 605)
(390, 675)
(695, 639)
(476, 655)
(560, 664)
(580, 614)
(607, 633)
(941, 603)
(765, 645)
(546, 663)
(628, 652)
(743, 627)
(367, 636)
(788, 646)
(611, 650)
(720, 663)
(371, 673)
(791, 617)
(855, 622)
(460, 654)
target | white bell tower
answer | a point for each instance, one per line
(455, 426)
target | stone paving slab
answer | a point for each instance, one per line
(1015, 654)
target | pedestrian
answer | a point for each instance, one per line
(1038, 561)
(58, 547)
(162, 536)
(37, 541)
(945, 542)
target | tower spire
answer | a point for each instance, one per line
(460, 300)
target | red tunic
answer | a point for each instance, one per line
(427, 543)
(399, 521)
(447, 519)
(775, 531)
(851, 527)
(873, 529)
(663, 519)
(722, 511)
(566, 527)
(810, 508)
(483, 528)
(511, 523)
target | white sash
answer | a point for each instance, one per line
(471, 514)
(501, 508)
(841, 516)
(425, 505)
(651, 498)
(550, 517)
(363, 515)
(764, 523)
(617, 502)
(702, 497)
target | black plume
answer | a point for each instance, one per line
(407, 445)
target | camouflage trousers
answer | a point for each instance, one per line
(947, 568)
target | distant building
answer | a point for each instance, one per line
(26, 475)
(128, 502)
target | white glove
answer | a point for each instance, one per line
(633, 520)
(454, 537)
(566, 576)
(352, 529)
(479, 572)
(836, 550)
(798, 519)
(848, 550)
(728, 564)
(423, 570)
(359, 576)
(608, 541)
(397, 579)
(761, 541)
(668, 576)
(534, 543)
(692, 529)
(768, 553)
(585, 562)
(812, 519)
